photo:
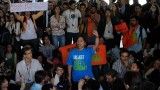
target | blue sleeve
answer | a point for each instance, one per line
(144, 34)
(33, 87)
(90, 48)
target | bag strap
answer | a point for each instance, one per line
(140, 35)
(24, 20)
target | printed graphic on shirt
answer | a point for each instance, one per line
(79, 64)
(96, 58)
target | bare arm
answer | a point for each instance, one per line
(49, 61)
(80, 20)
(96, 40)
(18, 17)
(80, 84)
(36, 16)
(69, 73)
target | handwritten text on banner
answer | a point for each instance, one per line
(21, 7)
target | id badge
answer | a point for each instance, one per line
(29, 81)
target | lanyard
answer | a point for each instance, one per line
(28, 70)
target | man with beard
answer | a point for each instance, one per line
(73, 20)
(92, 23)
(121, 66)
(137, 38)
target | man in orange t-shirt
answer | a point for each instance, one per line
(92, 23)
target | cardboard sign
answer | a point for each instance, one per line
(65, 52)
(99, 58)
(21, 7)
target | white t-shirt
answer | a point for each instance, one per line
(30, 32)
(71, 18)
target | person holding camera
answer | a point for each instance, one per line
(73, 20)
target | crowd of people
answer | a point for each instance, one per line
(30, 58)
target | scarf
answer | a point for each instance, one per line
(122, 28)
(130, 38)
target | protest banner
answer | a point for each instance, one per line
(99, 58)
(65, 52)
(22, 7)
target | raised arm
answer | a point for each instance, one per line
(96, 40)
(36, 16)
(19, 17)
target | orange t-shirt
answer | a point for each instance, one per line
(91, 25)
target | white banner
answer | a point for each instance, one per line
(21, 7)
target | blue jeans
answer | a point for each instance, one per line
(60, 39)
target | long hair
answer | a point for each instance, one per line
(157, 9)
(14, 17)
(59, 8)
(117, 10)
(4, 17)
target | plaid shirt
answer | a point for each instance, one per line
(120, 68)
